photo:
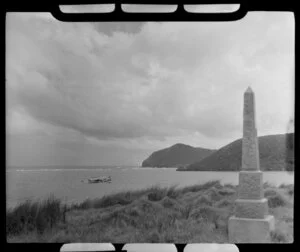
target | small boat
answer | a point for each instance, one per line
(100, 179)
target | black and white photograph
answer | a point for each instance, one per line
(150, 132)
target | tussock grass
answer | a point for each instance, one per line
(156, 195)
(196, 213)
(169, 202)
(205, 213)
(275, 198)
(106, 201)
(226, 191)
(223, 203)
(268, 185)
(201, 187)
(34, 216)
(288, 188)
(203, 200)
(231, 186)
(278, 236)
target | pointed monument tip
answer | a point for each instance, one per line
(249, 90)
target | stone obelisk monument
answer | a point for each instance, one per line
(251, 222)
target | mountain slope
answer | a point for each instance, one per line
(175, 156)
(276, 153)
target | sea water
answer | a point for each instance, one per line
(23, 183)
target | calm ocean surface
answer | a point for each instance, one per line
(38, 183)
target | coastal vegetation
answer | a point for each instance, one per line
(197, 213)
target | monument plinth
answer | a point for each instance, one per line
(251, 222)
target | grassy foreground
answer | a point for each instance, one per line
(196, 213)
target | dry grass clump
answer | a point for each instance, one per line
(203, 200)
(279, 236)
(275, 198)
(35, 216)
(200, 187)
(223, 203)
(288, 188)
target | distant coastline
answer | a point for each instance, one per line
(276, 154)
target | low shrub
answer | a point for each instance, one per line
(201, 187)
(268, 185)
(172, 192)
(203, 201)
(231, 186)
(278, 236)
(156, 195)
(105, 201)
(205, 213)
(288, 188)
(213, 194)
(133, 212)
(290, 191)
(225, 191)
(118, 218)
(153, 237)
(185, 211)
(168, 202)
(223, 203)
(108, 201)
(275, 198)
(61, 237)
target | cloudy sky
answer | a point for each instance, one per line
(112, 93)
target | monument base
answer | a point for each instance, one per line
(244, 230)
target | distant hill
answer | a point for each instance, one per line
(178, 155)
(276, 154)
